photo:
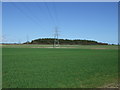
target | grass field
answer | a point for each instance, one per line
(25, 66)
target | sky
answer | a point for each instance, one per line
(23, 21)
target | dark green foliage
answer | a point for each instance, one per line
(66, 42)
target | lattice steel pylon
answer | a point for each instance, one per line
(56, 40)
(27, 38)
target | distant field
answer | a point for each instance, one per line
(71, 66)
(63, 46)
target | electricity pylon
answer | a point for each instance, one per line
(56, 40)
(19, 42)
(27, 37)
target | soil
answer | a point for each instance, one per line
(112, 85)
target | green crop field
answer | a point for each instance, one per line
(30, 66)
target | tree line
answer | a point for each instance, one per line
(65, 42)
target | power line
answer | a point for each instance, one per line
(55, 11)
(25, 14)
(50, 14)
(43, 12)
(56, 35)
(34, 16)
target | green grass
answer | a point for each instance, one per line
(59, 67)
